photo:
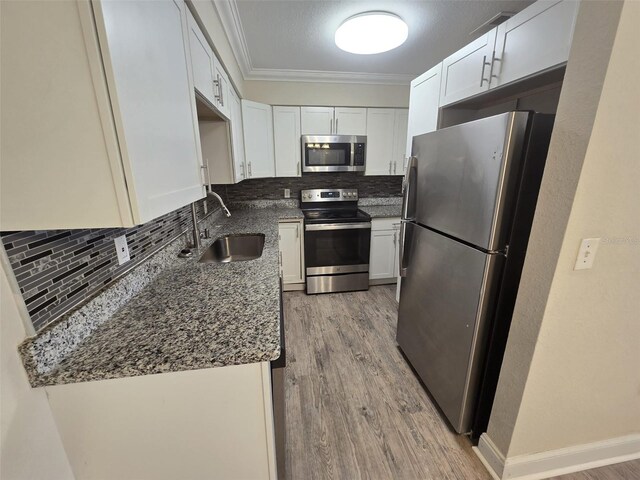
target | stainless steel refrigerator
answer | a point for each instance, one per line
(469, 197)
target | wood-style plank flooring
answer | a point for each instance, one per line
(355, 409)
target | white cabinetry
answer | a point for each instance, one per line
(383, 262)
(424, 104)
(290, 236)
(107, 144)
(221, 82)
(400, 140)
(536, 39)
(350, 121)
(237, 137)
(468, 71)
(137, 427)
(286, 140)
(386, 139)
(333, 121)
(202, 61)
(257, 125)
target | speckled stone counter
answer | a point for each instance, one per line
(191, 316)
(382, 211)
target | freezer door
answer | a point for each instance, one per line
(445, 302)
(466, 177)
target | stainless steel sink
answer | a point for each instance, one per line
(234, 248)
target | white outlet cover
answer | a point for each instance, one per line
(122, 249)
(587, 253)
(287, 193)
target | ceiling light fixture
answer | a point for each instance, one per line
(371, 32)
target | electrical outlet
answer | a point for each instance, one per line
(587, 253)
(122, 249)
(287, 193)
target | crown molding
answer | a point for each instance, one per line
(232, 25)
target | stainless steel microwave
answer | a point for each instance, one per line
(334, 153)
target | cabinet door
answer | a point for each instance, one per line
(221, 81)
(202, 60)
(424, 105)
(257, 125)
(350, 121)
(382, 259)
(286, 140)
(467, 72)
(290, 245)
(237, 139)
(400, 140)
(536, 39)
(154, 107)
(316, 120)
(380, 130)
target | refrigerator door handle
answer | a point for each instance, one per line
(401, 261)
(407, 190)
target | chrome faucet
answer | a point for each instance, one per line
(194, 218)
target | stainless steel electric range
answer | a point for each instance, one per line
(337, 238)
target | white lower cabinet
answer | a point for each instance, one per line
(207, 423)
(385, 239)
(291, 246)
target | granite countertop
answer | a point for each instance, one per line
(383, 211)
(191, 316)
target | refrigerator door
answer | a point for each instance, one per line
(465, 176)
(445, 300)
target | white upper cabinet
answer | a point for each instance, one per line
(534, 40)
(257, 125)
(424, 104)
(350, 121)
(317, 120)
(380, 132)
(386, 138)
(400, 140)
(202, 60)
(333, 121)
(286, 140)
(468, 71)
(154, 104)
(222, 89)
(237, 136)
(107, 92)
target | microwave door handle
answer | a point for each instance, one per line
(407, 189)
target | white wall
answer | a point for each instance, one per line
(30, 446)
(571, 374)
(331, 94)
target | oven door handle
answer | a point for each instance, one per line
(337, 226)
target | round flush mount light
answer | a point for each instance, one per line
(371, 32)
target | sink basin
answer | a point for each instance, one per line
(234, 248)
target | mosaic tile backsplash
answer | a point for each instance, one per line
(272, 188)
(57, 269)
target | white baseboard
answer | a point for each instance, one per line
(292, 287)
(557, 462)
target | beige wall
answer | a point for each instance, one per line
(331, 94)
(571, 372)
(30, 447)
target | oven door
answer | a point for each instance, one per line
(327, 154)
(337, 248)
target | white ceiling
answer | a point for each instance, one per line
(294, 39)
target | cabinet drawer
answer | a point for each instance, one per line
(385, 223)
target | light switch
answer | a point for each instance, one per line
(587, 253)
(287, 193)
(122, 249)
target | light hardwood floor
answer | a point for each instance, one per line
(355, 410)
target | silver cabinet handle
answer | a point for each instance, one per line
(331, 126)
(484, 64)
(336, 132)
(207, 178)
(250, 174)
(390, 163)
(298, 169)
(395, 166)
(280, 254)
(216, 82)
